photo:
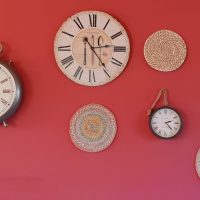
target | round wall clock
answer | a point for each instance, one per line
(165, 50)
(198, 163)
(10, 91)
(165, 122)
(91, 48)
(93, 128)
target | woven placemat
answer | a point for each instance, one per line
(93, 128)
(165, 50)
(198, 163)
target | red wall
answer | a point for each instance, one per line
(37, 158)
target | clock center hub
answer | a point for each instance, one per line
(92, 48)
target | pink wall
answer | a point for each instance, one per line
(37, 159)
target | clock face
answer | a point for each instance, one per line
(198, 163)
(165, 122)
(10, 91)
(91, 48)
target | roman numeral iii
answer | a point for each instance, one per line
(119, 48)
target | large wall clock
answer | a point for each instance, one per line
(91, 48)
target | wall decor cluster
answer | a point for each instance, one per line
(165, 50)
(198, 163)
(10, 89)
(164, 122)
(93, 128)
(91, 48)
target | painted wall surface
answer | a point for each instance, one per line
(37, 158)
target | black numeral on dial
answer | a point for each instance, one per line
(3, 101)
(116, 35)
(119, 49)
(68, 34)
(93, 20)
(78, 73)
(64, 48)
(106, 24)
(92, 76)
(67, 61)
(78, 23)
(116, 62)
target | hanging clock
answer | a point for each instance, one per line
(198, 163)
(91, 48)
(164, 122)
(10, 90)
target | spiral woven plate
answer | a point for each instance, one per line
(198, 163)
(93, 128)
(165, 50)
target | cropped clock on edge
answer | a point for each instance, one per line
(91, 48)
(10, 90)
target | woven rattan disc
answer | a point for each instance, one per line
(93, 128)
(165, 50)
(198, 163)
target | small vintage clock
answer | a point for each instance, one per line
(197, 163)
(164, 122)
(91, 48)
(10, 90)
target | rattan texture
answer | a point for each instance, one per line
(198, 163)
(93, 128)
(165, 50)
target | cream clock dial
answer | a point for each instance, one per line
(198, 163)
(165, 122)
(10, 91)
(91, 48)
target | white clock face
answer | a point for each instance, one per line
(165, 122)
(7, 90)
(198, 163)
(91, 48)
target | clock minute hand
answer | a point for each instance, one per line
(168, 125)
(92, 48)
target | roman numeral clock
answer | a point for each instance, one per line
(91, 48)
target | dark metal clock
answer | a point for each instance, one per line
(10, 90)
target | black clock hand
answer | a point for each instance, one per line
(105, 46)
(168, 122)
(86, 40)
(92, 52)
(84, 61)
(168, 125)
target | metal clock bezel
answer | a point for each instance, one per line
(18, 95)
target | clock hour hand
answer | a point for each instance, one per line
(92, 48)
(105, 46)
(168, 125)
